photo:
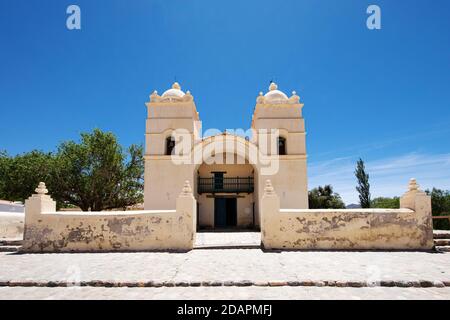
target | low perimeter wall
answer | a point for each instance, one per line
(11, 225)
(49, 231)
(409, 228)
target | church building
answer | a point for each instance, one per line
(227, 170)
(255, 179)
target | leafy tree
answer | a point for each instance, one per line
(440, 206)
(324, 198)
(4, 163)
(387, 203)
(363, 187)
(20, 175)
(94, 174)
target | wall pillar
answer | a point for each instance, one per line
(186, 205)
(34, 206)
(38, 203)
(270, 209)
(417, 200)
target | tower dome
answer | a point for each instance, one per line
(275, 96)
(175, 92)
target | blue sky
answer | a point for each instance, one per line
(382, 95)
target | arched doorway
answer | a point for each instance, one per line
(226, 196)
(226, 183)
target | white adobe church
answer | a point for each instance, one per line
(227, 181)
(227, 171)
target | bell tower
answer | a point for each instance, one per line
(279, 131)
(173, 111)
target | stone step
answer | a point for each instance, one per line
(443, 248)
(9, 248)
(442, 242)
(441, 234)
(11, 242)
(227, 246)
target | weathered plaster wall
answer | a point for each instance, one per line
(408, 228)
(11, 225)
(49, 231)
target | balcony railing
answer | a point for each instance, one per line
(225, 185)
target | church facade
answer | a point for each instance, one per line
(255, 179)
(227, 170)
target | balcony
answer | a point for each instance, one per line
(225, 185)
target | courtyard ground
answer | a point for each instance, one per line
(226, 266)
(226, 293)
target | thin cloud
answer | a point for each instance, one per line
(436, 130)
(388, 177)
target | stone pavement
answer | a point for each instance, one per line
(227, 273)
(225, 293)
(228, 267)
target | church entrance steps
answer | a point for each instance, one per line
(442, 240)
(9, 248)
(225, 246)
(11, 242)
(228, 240)
(441, 234)
(10, 245)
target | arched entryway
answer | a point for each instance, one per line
(226, 196)
(226, 185)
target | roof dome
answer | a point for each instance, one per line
(274, 95)
(174, 92)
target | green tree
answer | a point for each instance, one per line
(324, 198)
(363, 187)
(440, 206)
(20, 174)
(4, 163)
(387, 203)
(96, 174)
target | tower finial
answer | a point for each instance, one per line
(41, 189)
(413, 184)
(187, 190)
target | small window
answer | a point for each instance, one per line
(281, 146)
(170, 145)
(218, 180)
